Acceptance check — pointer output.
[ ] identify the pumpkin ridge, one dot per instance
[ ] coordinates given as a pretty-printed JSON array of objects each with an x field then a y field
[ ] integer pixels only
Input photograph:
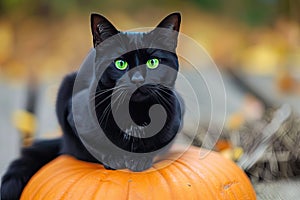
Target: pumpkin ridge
[
  {"x": 112, "y": 177},
  {"x": 211, "y": 179},
  {"x": 136, "y": 180},
  {"x": 113, "y": 172},
  {"x": 230, "y": 182},
  {"x": 215, "y": 172},
  {"x": 230, "y": 170},
  {"x": 181, "y": 161},
  {"x": 69, "y": 164},
  {"x": 45, "y": 167},
  {"x": 226, "y": 187},
  {"x": 158, "y": 172},
  {"x": 71, "y": 185},
  {"x": 62, "y": 178},
  {"x": 166, "y": 173},
  {"x": 170, "y": 171},
  {"x": 240, "y": 187},
  {"x": 163, "y": 185},
  {"x": 45, "y": 179},
  {"x": 225, "y": 174},
  {"x": 86, "y": 175},
  {"x": 162, "y": 172},
  {"x": 128, "y": 187},
  {"x": 190, "y": 157},
  {"x": 40, "y": 185},
  {"x": 191, "y": 180}
]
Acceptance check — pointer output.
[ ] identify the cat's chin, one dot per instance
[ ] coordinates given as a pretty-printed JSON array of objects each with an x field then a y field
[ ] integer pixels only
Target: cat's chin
[{"x": 139, "y": 97}]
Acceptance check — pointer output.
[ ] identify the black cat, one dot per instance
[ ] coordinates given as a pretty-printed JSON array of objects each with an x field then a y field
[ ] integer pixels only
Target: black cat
[{"x": 144, "y": 75}]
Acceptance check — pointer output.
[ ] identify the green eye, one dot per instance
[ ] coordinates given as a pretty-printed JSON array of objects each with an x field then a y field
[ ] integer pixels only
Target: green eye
[
  {"x": 121, "y": 64},
  {"x": 152, "y": 63}
]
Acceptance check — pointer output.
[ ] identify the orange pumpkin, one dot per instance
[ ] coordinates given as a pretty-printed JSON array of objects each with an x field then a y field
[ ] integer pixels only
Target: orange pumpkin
[{"x": 189, "y": 177}]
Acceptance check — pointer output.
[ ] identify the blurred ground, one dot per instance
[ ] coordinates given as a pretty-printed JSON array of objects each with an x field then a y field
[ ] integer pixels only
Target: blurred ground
[{"x": 284, "y": 189}]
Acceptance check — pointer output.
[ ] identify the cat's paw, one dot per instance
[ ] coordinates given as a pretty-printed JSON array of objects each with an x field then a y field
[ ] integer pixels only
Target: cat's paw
[
  {"x": 108, "y": 167},
  {"x": 138, "y": 164},
  {"x": 114, "y": 162}
]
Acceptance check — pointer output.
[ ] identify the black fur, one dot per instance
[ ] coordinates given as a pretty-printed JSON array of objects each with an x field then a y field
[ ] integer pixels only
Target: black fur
[
  {"x": 41, "y": 152},
  {"x": 22, "y": 169},
  {"x": 71, "y": 144}
]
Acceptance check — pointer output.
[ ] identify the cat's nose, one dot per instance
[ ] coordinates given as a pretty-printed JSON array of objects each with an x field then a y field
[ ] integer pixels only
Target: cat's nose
[{"x": 137, "y": 78}]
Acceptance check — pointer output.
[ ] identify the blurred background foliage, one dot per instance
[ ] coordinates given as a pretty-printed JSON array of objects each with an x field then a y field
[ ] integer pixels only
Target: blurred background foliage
[{"x": 52, "y": 37}]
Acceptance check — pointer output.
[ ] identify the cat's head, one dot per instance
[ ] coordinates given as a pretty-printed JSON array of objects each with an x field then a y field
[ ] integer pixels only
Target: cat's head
[
  {"x": 136, "y": 60},
  {"x": 131, "y": 91}
]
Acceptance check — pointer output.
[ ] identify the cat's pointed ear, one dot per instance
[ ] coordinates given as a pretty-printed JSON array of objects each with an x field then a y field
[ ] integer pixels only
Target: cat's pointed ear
[
  {"x": 101, "y": 29},
  {"x": 172, "y": 21}
]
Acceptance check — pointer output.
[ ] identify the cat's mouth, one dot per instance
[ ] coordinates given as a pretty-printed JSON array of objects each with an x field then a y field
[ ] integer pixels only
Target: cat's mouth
[{"x": 140, "y": 94}]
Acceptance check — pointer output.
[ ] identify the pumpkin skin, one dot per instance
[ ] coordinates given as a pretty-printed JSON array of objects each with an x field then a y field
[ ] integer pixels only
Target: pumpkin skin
[{"x": 189, "y": 177}]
